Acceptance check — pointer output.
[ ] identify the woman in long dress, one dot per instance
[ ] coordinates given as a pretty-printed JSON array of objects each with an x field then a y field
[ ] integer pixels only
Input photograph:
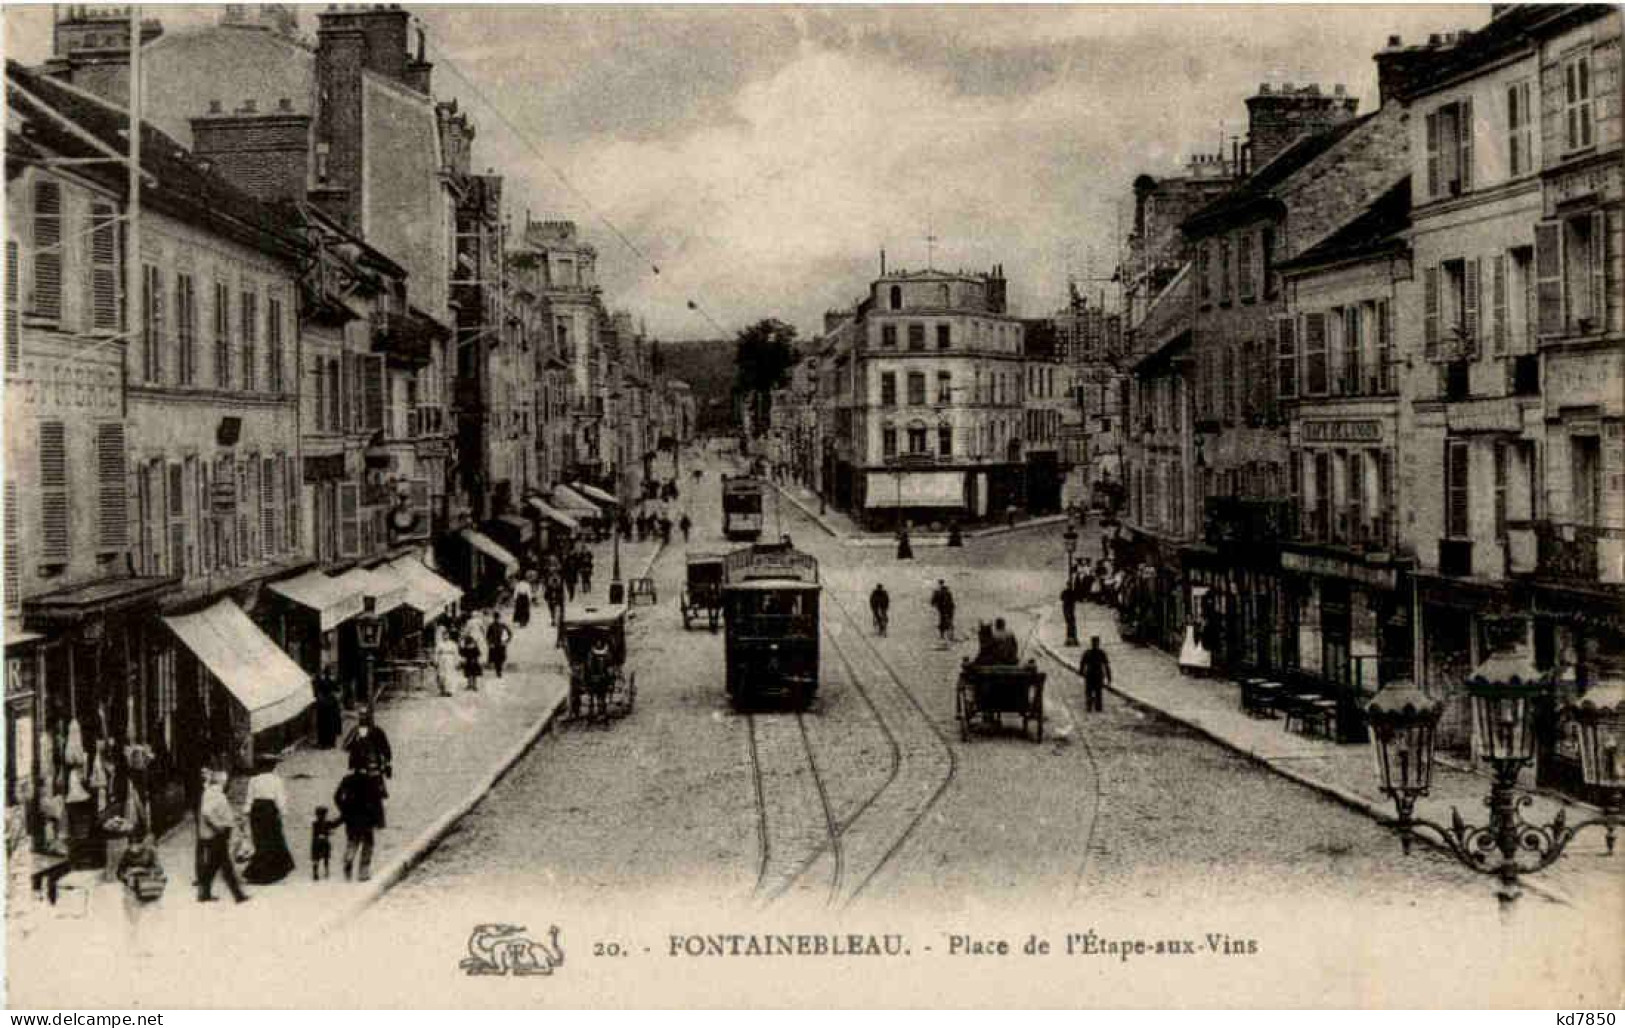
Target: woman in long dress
[
  {"x": 447, "y": 662},
  {"x": 267, "y": 803}
]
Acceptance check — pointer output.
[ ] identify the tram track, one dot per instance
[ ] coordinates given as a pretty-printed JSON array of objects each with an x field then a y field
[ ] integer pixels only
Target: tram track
[{"x": 796, "y": 826}]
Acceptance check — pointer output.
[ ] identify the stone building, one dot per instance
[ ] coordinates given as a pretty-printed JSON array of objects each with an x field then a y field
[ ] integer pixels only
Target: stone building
[
  {"x": 926, "y": 384},
  {"x": 1050, "y": 399}
]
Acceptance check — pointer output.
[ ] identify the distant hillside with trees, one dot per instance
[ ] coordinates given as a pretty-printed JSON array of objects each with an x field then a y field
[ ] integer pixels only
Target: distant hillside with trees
[{"x": 707, "y": 365}]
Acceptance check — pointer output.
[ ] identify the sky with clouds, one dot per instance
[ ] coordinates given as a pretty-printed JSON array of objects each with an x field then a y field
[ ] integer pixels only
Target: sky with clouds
[{"x": 762, "y": 156}]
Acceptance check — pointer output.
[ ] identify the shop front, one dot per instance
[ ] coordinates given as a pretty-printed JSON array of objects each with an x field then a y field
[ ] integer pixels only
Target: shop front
[
  {"x": 484, "y": 564},
  {"x": 555, "y": 530},
  {"x": 311, "y": 607},
  {"x": 1463, "y": 624},
  {"x": 1578, "y": 638}
]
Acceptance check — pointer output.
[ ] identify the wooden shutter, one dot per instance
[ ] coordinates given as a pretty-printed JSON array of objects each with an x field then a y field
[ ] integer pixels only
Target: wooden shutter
[
  {"x": 175, "y": 494},
  {"x": 1549, "y": 277},
  {"x": 1471, "y": 295},
  {"x": 152, "y": 323},
  {"x": 1314, "y": 354},
  {"x": 290, "y": 501},
  {"x": 1286, "y": 356},
  {"x": 14, "y": 551},
  {"x": 47, "y": 293},
  {"x": 1464, "y": 126},
  {"x": 14, "y": 324},
  {"x": 53, "y": 480},
  {"x": 112, "y": 498},
  {"x": 349, "y": 519},
  {"x": 1433, "y": 153},
  {"x": 1498, "y": 300},
  {"x": 1599, "y": 270},
  {"x": 1385, "y": 347},
  {"x": 1456, "y": 500},
  {"x": 418, "y": 500},
  {"x": 104, "y": 276},
  {"x": 372, "y": 384},
  {"x": 1430, "y": 312},
  {"x": 268, "y": 482},
  {"x": 1612, "y": 315}
]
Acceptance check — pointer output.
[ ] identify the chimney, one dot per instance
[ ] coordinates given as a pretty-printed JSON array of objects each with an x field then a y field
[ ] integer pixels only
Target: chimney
[
  {"x": 264, "y": 155},
  {"x": 90, "y": 49},
  {"x": 1400, "y": 68},
  {"x": 341, "y": 53},
  {"x": 1280, "y": 117},
  {"x": 996, "y": 290},
  {"x": 384, "y": 29}
]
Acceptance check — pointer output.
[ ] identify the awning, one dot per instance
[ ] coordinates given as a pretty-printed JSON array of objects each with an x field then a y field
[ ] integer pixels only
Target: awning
[
  {"x": 569, "y": 499},
  {"x": 554, "y": 514},
  {"x": 333, "y": 601},
  {"x": 266, "y": 681},
  {"x": 485, "y": 545},
  {"x": 426, "y": 592},
  {"x": 592, "y": 492},
  {"x": 17, "y": 635},
  {"x": 526, "y": 531},
  {"x": 386, "y": 589}
]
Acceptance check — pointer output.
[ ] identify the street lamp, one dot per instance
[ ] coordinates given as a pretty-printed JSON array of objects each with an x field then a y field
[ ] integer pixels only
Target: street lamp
[
  {"x": 369, "y": 630},
  {"x": 1403, "y": 722},
  {"x": 1070, "y": 539}
]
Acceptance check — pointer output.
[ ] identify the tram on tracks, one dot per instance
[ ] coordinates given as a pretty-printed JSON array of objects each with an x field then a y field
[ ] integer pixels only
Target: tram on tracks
[
  {"x": 742, "y": 506},
  {"x": 770, "y": 602}
]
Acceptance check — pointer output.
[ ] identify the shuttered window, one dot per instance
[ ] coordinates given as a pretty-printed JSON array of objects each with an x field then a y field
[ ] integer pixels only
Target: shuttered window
[
  {"x": 1314, "y": 354},
  {"x": 1599, "y": 270},
  {"x": 1498, "y": 304},
  {"x": 222, "y": 335},
  {"x": 14, "y": 324},
  {"x": 1433, "y": 153},
  {"x": 175, "y": 493},
  {"x": 152, "y": 323},
  {"x": 1286, "y": 359},
  {"x": 1549, "y": 277},
  {"x": 46, "y": 298},
  {"x": 104, "y": 268},
  {"x": 250, "y": 337},
  {"x": 53, "y": 480},
  {"x": 14, "y": 551},
  {"x": 245, "y": 511},
  {"x": 290, "y": 503},
  {"x": 373, "y": 392},
  {"x": 349, "y": 519},
  {"x": 273, "y": 345},
  {"x": 1471, "y": 291},
  {"x": 112, "y": 500},
  {"x": 1244, "y": 265},
  {"x": 185, "y": 330},
  {"x": 268, "y": 484},
  {"x": 1430, "y": 312},
  {"x": 1384, "y": 370},
  {"x": 1456, "y": 496}
]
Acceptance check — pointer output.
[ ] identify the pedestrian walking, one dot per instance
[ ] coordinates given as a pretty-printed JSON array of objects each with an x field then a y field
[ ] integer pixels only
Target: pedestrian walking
[
  {"x": 521, "y": 603},
  {"x": 267, "y": 803},
  {"x": 359, "y": 800},
  {"x": 470, "y": 650},
  {"x": 1096, "y": 670},
  {"x": 553, "y": 596},
  {"x": 1069, "y": 612},
  {"x": 905, "y": 550},
  {"x": 329, "y": 709},
  {"x": 497, "y": 636},
  {"x": 665, "y": 530},
  {"x": 216, "y": 819},
  {"x": 572, "y": 569},
  {"x": 446, "y": 660},
  {"x": 586, "y": 571},
  {"x": 943, "y": 600},
  {"x": 880, "y": 607},
  {"x": 685, "y": 524}
]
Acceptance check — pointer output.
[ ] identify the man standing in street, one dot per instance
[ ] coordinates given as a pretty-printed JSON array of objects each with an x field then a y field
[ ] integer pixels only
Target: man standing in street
[
  {"x": 1069, "y": 611},
  {"x": 943, "y": 601},
  {"x": 1097, "y": 674},
  {"x": 497, "y": 635},
  {"x": 360, "y": 803},
  {"x": 880, "y": 607},
  {"x": 216, "y": 819}
]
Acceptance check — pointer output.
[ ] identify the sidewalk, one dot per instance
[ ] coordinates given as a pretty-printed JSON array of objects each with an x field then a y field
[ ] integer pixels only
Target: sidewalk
[
  {"x": 843, "y": 528},
  {"x": 448, "y": 753},
  {"x": 1149, "y": 678}
]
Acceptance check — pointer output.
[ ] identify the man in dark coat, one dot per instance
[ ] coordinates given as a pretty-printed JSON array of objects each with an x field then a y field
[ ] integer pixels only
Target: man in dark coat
[
  {"x": 943, "y": 600},
  {"x": 585, "y": 569},
  {"x": 368, "y": 745},
  {"x": 1096, "y": 670},
  {"x": 1069, "y": 612},
  {"x": 880, "y": 607},
  {"x": 360, "y": 803},
  {"x": 497, "y": 636}
]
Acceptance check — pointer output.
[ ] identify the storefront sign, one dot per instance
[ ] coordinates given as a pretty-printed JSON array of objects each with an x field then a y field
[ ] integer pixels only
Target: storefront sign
[
  {"x": 20, "y": 677},
  {"x": 224, "y": 496},
  {"x": 1337, "y": 567},
  {"x": 1342, "y": 431}
]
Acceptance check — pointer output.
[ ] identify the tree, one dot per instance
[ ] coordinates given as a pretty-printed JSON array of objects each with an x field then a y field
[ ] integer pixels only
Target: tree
[{"x": 764, "y": 353}]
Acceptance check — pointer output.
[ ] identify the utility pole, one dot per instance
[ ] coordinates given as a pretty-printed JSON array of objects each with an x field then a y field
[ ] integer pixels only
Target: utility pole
[{"x": 133, "y": 304}]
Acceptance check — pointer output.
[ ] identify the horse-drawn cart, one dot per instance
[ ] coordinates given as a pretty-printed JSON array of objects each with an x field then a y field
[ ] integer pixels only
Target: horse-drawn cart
[
  {"x": 702, "y": 593},
  {"x": 987, "y": 692},
  {"x": 595, "y": 645}
]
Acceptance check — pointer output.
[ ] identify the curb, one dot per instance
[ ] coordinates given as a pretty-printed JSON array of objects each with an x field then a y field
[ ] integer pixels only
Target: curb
[
  {"x": 431, "y": 837},
  {"x": 925, "y": 539},
  {"x": 1336, "y": 793}
]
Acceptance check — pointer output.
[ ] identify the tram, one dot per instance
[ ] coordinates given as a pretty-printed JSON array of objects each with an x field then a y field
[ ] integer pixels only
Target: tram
[
  {"x": 742, "y": 506},
  {"x": 770, "y": 603}
]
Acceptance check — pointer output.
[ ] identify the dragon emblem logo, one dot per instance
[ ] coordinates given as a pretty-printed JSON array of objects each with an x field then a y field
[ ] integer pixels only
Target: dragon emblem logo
[{"x": 504, "y": 949}]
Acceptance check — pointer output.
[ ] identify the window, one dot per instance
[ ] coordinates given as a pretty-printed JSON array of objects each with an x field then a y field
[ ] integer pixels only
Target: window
[
  {"x": 1349, "y": 372},
  {"x": 888, "y": 389},
  {"x": 1520, "y": 130},
  {"x": 53, "y": 491},
  {"x": 1266, "y": 261},
  {"x": 888, "y": 337},
  {"x": 896, "y": 298},
  {"x": 318, "y": 392},
  {"x": 1500, "y": 455},
  {"x": 152, "y": 322},
  {"x": 14, "y": 321},
  {"x": 1204, "y": 289},
  {"x": 335, "y": 398},
  {"x": 46, "y": 298},
  {"x": 1314, "y": 354},
  {"x": 1585, "y": 479},
  {"x": 916, "y": 437},
  {"x": 1456, "y": 494},
  {"x": 185, "y": 330},
  {"x": 916, "y": 336},
  {"x": 945, "y": 387},
  {"x": 104, "y": 268},
  {"x": 1244, "y": 266},
  {"x": 222, "y": 335},
  {"x": 945, "y": 440},
  {"x": 944, "y": 335},
  {"x": 14, "y": 546},
  {"x": 1520, "y": 298},
  {"x": 1231, "y": 385},
  {"x": 1450, "y": 149},
  {"x": 888, "y": 441},
  {"x": 1224, "y": 269},
  {"x": 916, "y": 388},
  {"x": 1577, "y": 116},
  {"x": 273, "y": 343},
  {"x": 250, "y": 338},
  {"x": 1572, "y": 272},
  {"x": 1381, "y": 375},
  {"x": 1450, "y": 308}
]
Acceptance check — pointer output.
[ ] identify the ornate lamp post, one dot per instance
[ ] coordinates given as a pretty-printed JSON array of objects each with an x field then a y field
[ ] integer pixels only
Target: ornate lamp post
[
  {"x": 1403, "y": 721},
  {"x": 369, "y": 631},
  {"x": 1069, "y": 539}
]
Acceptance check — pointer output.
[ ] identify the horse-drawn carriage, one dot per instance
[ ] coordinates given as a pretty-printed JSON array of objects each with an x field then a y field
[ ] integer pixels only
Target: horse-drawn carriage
[
  {"x": 986, "y": 692},
  {"x": 702, "y": 594},
  {"x": 595, "y": 645},
  {"x": 770, "y": 599}
]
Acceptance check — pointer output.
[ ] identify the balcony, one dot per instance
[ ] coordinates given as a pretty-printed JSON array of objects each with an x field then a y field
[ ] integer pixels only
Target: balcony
[
  {"x": 1576, "y": 553},
  {"x": 1232, "y": 521}
]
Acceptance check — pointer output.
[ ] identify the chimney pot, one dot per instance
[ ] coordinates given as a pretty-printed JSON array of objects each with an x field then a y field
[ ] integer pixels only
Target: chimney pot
[
  {"x": 1434, "y": 39},
  {"x": 1340, "y": 89},
  {"x": 249, "y": 107},
  {"x": 284, "y": 104},
  {"x": 214, "y": 106},
  {"x": 1396, "y": 41}
]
